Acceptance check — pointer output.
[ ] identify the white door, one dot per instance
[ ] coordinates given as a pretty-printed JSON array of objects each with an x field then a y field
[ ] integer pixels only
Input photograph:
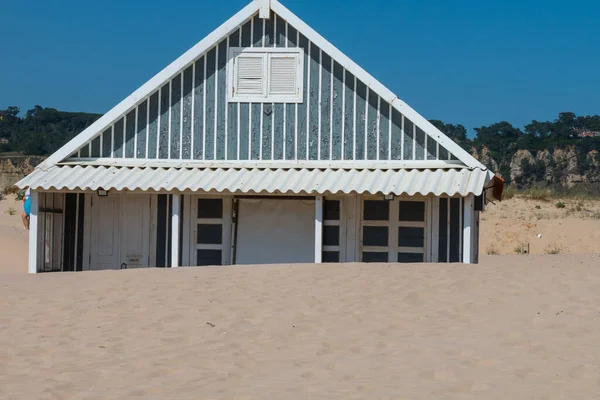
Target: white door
[
  {"x": 275, "y": 231},
  {"x": 135, "y": 228},
  {"x": 104, "y": 237}
]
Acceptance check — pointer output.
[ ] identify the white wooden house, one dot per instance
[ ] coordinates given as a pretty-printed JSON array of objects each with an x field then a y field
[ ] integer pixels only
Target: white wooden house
[{"x": 263, "y": 143}]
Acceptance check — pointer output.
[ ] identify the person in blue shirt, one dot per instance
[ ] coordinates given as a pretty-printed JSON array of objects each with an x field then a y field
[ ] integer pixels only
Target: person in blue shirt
[{"x": 26, "y": 208}]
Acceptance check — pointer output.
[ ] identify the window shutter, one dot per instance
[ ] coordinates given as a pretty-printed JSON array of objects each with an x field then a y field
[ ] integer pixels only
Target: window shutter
[
  {"x": 283, "y": 74},
  {"x": 249, "y": 77}
]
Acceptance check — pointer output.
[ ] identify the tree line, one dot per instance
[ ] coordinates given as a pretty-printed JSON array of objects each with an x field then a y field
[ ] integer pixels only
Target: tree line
[{"x": 41, "y": 131}]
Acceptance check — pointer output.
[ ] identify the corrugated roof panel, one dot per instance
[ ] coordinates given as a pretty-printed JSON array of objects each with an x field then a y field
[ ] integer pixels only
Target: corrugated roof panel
[{"x": 256, "y": 180}]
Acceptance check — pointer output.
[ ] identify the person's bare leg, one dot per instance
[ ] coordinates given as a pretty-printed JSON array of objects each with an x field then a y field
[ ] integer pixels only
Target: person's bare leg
[{"x": 25, "y": 219}]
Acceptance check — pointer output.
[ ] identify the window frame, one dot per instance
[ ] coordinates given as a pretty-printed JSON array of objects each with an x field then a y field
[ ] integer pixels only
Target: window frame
[
  {"x": 266, "y": 52},
  {"x": 393, "y": 224}
]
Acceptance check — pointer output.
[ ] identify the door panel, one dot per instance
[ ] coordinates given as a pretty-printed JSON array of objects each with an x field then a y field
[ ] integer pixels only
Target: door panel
[
  {"x": 135, "y": 225},
  {"x": 104, "y": 238}
]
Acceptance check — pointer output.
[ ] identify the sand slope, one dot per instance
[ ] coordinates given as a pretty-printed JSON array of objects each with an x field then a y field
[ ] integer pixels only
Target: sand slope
[{"x": 512, "y": 327}]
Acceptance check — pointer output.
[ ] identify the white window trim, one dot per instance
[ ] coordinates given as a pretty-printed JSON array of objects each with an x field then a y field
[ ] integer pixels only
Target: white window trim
[
  {"x": 393, "y": 224},
  {"x": 266, "y": 98}
]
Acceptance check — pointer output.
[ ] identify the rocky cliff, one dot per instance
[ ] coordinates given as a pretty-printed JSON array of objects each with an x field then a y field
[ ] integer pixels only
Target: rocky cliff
[
  {"x": 561, "y": 166},
  {"x": 13, "y": 168}
]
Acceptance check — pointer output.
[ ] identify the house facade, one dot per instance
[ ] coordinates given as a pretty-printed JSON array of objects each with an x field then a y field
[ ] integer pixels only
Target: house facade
[{"x": 261, "y": 144}]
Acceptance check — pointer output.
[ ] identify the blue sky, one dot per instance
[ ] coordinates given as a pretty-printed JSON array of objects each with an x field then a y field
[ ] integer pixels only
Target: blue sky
[{"x": 469, "y": 62}]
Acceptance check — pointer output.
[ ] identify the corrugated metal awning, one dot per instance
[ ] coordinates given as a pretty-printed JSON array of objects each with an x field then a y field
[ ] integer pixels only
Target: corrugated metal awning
[{"x": 459, "y": 181}]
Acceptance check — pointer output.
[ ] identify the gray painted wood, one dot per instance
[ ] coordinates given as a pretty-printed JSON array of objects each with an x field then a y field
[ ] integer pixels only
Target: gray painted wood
[
  {"x": 244, "y": 131},
  {"x": 221, "y": 100},
  {"x": 313, "y": 118},
  {"x": 384, "y": 131},
  {"x": 175, "y": 116},
  {"x": 289, "y": 131},
  {"x": 209, "y": 118},
  {"x": 118, "y": 133},
  {"x": 372, "y": 131},
  {"x": 325, "y": 107},
  {"x": 420, "y": 144},
  {"x": 267, "y": 131},
  {"x": 255, "y": 139},
  {"x": 349, "y": 119},
  {"x": 186, "y": 145},
  {"x": 257, "y": 33},
  {"x": 106, "y": 143},
  {"x": 337, "y": 128},
  {"x": 301, "y": 145},
  {"x": 141, "y": 133},
  {"x": 361, "y": 120},
  {"x": 130, "y": 135},
  {"x": 233, "y": 109},
  {"x": 198, "y": 151},
  {"x": 153, "y": 126},
  {"x": 396, "y": 135},
  {"x": 278, "y": 127},
  {"x": 246, "y": 34},
  {"x": 163, "y": 138},
  {"x": 408, "y": 139},
  {"x": 96, "y": 147}
]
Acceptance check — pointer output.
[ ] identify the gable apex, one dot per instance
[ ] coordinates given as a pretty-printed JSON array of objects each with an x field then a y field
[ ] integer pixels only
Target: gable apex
[{"x": 261, "y": 8}]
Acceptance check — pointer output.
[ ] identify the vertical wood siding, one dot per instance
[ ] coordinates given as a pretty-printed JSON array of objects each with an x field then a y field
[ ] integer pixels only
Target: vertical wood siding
[{"x": 189, "y": 117}]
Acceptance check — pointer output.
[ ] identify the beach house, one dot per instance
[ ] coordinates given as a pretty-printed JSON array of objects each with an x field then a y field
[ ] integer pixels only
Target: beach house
[{"x": 263, "y": 143}]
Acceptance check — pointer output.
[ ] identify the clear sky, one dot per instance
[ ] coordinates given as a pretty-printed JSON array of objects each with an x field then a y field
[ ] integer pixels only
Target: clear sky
[{"x": 472, "y": 62}]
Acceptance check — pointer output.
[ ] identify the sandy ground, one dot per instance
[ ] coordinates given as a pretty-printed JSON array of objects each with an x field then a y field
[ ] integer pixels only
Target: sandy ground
[
  {"x": 510, "y": 225},
  {"x": 512, "y": 327}
]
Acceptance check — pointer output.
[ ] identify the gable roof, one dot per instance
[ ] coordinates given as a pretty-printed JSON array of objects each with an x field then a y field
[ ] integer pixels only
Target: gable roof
[{"x": 215, "y": 37}]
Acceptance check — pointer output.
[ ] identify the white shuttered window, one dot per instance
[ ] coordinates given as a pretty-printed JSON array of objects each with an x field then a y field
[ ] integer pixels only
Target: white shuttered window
[{"x": 265, "y": 75}]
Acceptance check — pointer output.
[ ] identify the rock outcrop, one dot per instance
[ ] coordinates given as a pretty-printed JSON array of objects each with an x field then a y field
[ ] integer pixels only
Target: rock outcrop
[{"x": 14, "y": 168}]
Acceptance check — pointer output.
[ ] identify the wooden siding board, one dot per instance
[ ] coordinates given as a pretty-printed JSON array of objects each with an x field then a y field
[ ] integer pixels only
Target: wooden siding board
[
  {"x": 349, "y": 118},
  {"x": 420, "y": 144},
  {"x": 313, "y": 127},
  {"x": 255, "y": 139},
  {"x": 325, "y": 106},
  {"x": 118, "y": 135},
  {"x": 372, "y": 131},
  {"x": 221, "y": 100},
  {"x": 246, "y": 38},
  {"x": 186, "y": 137},
  {"x": 130, "y": 135},
  {"x": 267, "y": 131},
  {"x": 244, "y": 131},
  {"x": 337, "y": 128},
  {"x": 396, "y": 145},
  {"x": 290, "y": 131},
  {"x": 209, "y": 118},
  {"x": 278, "y": 125},
  {"x": 142, "y": 127},
  {"x": 301, "y": 153},
  {"x": 107, "y": 143},
  {"x": 233, "y": 109},
  {"x": 198, "y": 151},
  {"x": 153, "y": 126},
  {"x": 408, "y": 139},
  {"x": 257, "y": 33},
  {"x": 361, "y": 98},
  {"x": 96, "y": 147},
  {"x": 163, "y": 139},
  {"x": 269, "y": 31},
  {"x": 280, "y": 38},
  {"x": 384, "y": 131},
  {"x": 175, "y": 116}
]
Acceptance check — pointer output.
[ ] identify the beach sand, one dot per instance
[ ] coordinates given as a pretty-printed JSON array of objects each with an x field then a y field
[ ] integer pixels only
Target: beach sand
[{"x": 511, "y": 327}]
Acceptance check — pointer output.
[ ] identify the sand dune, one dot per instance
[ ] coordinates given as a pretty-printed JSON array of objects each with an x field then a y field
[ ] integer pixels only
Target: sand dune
[{"x": 512, "y": 327}]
